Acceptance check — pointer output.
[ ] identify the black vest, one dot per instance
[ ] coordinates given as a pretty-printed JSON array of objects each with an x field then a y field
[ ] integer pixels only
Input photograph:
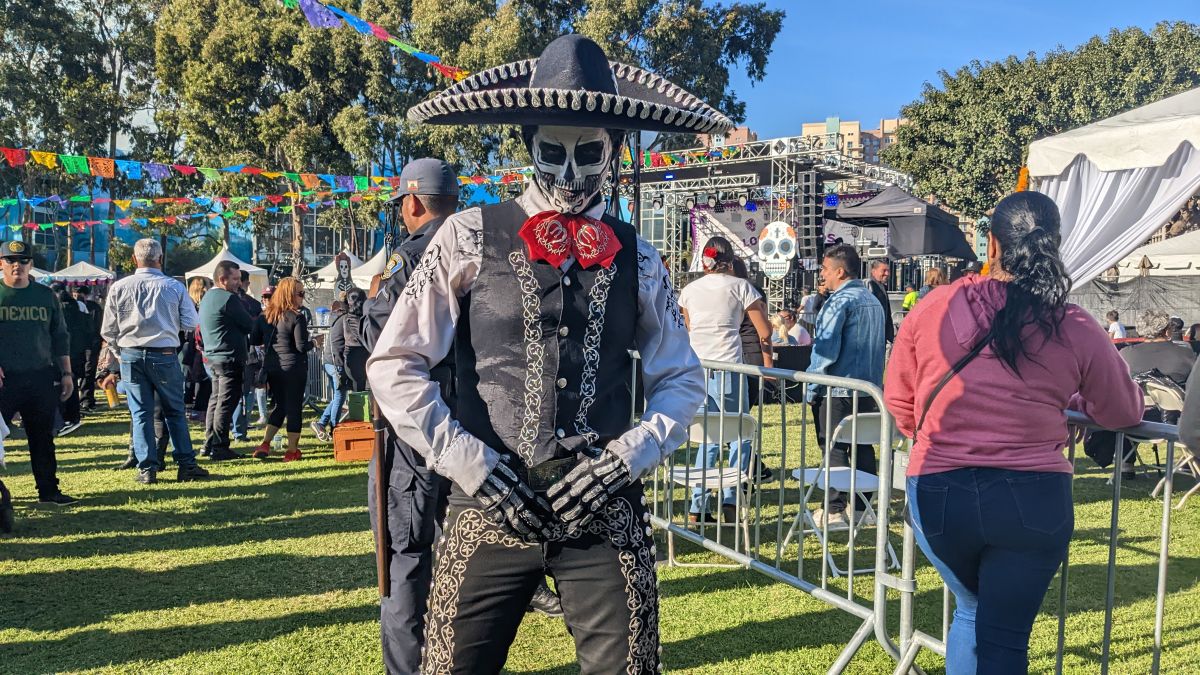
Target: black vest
[{"x": 543, "y": 365}]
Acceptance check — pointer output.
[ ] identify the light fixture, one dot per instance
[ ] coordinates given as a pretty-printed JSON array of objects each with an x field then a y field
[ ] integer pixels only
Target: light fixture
[{"x": 712, "y": 201}]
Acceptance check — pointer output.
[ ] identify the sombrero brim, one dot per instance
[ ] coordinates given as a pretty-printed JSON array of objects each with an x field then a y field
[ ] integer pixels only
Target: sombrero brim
[{"x": 502, "y": 95}]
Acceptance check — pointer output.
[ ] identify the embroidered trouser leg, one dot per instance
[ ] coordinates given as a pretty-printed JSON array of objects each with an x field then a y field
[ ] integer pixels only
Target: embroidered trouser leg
[{"x": 484, "y": 580}]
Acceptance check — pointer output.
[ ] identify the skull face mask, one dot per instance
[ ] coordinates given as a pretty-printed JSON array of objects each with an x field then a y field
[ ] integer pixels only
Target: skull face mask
[{"x": 571, "y": 164}]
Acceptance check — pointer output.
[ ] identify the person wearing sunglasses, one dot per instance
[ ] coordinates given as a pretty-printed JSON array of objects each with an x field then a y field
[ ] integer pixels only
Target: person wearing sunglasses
[
  {"x": 283, "y": 331},
  {"x": 33, "y": 362}
]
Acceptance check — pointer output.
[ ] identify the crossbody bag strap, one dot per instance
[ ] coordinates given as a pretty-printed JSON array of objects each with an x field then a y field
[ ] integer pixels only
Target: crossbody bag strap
[{"x": 956, "y": 369}]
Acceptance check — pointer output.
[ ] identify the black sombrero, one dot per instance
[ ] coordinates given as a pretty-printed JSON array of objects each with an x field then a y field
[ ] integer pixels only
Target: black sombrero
[{"x": 571, "y": 84}]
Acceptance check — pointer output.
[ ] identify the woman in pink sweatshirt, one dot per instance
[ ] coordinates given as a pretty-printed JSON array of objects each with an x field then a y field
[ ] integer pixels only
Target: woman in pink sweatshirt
[{"x": 988, "y": 486}]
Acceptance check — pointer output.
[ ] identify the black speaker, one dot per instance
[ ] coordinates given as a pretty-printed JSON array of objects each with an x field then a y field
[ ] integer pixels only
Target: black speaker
[{"x": 810, "y": 218}]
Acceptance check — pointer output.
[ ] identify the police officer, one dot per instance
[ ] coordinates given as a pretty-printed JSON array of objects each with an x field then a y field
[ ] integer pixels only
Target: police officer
[
  {"x": 415, "y": 495},
  {"x": 33, "y": 361}
]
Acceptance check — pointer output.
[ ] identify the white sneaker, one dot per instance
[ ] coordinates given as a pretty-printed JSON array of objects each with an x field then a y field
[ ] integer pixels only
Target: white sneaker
[
  {"x": 837, "y": 521},
  {"x": 68, "y": 428}
]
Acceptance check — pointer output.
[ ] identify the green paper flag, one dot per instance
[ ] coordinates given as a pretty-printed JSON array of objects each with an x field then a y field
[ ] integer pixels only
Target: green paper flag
[
  {"x": 235, "y": 200},
  {"x": 361, "y": 183},
  {"x": 227, "y": 214},
  {"x": 286, "y": 209},
  {"x": 8, "y": 202},
  {"x": 291, "y": 4},
  {"x": 80, "y": 198},
  {"x": 305, "y": 193},
  {"x": 75, "y": 164},
  {"x": 294, "y": 177},
  {"x": 210, "y": 174},
  {"x": 343, "y": 203}
]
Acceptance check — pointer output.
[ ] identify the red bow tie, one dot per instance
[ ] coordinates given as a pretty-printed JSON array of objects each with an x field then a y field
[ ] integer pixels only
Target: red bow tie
[{"x": 555, "y": 237}]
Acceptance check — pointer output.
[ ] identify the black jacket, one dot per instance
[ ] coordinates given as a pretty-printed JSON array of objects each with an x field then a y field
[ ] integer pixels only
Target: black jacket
[{"x": 880, "y": 293}]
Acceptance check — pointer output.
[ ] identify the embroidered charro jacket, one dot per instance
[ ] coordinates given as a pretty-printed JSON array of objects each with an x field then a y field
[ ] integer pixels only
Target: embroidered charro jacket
[{"x": 542, "y": 351}]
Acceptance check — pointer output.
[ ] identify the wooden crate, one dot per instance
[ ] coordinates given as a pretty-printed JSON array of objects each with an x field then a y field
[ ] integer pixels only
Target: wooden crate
[{"x": 353, "y": 441}]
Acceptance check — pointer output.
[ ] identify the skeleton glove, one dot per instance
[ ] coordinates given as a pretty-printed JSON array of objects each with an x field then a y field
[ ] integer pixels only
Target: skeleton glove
[
  {"x": 584, "y": 492},
  {"x": 512, "y": 505}
]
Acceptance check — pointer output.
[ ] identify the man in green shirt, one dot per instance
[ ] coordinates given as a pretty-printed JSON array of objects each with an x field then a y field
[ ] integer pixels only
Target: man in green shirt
[
  {"x": 33, "y": 361},
  {"x": 224, "y": 325}
]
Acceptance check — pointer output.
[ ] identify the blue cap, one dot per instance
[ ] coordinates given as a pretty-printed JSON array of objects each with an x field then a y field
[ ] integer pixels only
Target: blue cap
[{"x": 427, "y": 176}]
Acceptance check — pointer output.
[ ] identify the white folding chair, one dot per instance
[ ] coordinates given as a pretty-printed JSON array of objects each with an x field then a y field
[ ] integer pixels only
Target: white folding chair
[
  {"x": 825, "y": 478},
  {"x": 721, "y": 429},
  {"x": 1186, "y": 463}
]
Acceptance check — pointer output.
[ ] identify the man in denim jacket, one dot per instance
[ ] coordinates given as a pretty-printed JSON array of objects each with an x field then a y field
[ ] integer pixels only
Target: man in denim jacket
[{"x": 848, "y": 341}]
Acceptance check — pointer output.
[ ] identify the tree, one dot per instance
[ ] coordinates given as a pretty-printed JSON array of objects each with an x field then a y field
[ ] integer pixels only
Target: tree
[{"x": 966, "y": 139}]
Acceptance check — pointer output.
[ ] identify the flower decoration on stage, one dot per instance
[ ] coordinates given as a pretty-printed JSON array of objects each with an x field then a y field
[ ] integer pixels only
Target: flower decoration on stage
[
  {"x": 709, "y": 259},
  {"x": 554, "y": 237}
]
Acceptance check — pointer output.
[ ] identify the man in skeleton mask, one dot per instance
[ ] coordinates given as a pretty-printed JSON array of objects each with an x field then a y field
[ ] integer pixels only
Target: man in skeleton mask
[{"x": 541, "y": 298}]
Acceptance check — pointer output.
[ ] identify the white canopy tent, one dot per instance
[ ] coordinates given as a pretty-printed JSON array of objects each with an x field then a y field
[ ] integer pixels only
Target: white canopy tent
[
  {"x": 1174, "y": 257},
  {"x": 363, "y": 273},
  {"x": 258, "y": 275},
  {"x": 82, "y": 272},
  {"x": 1118, "y": 180},
  {"x": 327, "y": 275}
]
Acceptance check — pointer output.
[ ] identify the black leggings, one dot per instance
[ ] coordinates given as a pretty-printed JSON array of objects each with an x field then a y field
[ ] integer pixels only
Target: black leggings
[{"x": 287, "y": 397}]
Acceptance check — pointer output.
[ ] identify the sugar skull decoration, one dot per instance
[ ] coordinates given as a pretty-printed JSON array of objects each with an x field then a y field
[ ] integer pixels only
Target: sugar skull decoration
[
  {"x": 776, "y": 249},
  {"x": 571, "y": 164},
  {"x": 344, "y": 281}
]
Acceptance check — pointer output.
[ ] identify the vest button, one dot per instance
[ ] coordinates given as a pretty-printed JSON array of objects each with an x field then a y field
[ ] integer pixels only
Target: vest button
[
  {"x": 562, "y": 331},
  {"x": 561, "y": 383},
  {"x": 560, "y": 433},
  {"x": 566, "y": 281}
]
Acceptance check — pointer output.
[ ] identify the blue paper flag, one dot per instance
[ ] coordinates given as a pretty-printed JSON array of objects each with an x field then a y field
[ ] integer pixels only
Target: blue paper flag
[{"x": 318, "y": 15}]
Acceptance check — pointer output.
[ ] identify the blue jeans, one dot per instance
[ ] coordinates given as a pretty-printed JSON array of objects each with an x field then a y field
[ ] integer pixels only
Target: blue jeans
[
  {"x": 260, "y": 399},
  {"x": 333, "y": 411},
  {"x": 726, "y": 393},
  {"x": 997, "y": 537},
  {"x": 148, "y": 373},
  {"x": 241, "y": 416}
]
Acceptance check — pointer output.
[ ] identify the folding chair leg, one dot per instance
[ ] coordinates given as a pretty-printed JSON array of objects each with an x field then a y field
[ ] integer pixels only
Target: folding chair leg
[{"x": 1188, "y": 494}]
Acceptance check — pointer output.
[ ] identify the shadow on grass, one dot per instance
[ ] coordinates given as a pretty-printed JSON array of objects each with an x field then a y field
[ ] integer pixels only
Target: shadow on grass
[
  {"x": 99, "y": 648},
  {"x": 51, "y": 601}
]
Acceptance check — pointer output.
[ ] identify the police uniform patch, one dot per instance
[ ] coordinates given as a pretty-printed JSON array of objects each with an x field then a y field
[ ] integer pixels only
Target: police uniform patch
[{"x": 395, "y": 263}]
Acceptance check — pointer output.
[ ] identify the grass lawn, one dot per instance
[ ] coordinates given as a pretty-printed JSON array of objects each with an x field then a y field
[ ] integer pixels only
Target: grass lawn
[{"x": 269, "y": 568}]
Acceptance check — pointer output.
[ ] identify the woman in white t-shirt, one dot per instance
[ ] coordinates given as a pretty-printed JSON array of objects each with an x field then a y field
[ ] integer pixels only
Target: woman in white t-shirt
[
  {"x": 713, "y": 307},
  {"x": 1116, "y": 329}
]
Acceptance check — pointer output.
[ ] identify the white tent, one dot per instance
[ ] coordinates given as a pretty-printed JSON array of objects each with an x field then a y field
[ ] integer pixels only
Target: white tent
[
  {"x": 327, "y": 275},
  {"x": 39, "y": 275},
  {"x": 1174, "y": 257},
  {"x": 363, "y": 273},
  {"x": 1118, "y": 180},
  {"x": 258, "y": 275},
  {"x": 82, "y": 272}
]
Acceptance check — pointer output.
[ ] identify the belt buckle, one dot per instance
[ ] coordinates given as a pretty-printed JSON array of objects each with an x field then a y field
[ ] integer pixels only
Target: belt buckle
[{"x": 542, "y": 476}]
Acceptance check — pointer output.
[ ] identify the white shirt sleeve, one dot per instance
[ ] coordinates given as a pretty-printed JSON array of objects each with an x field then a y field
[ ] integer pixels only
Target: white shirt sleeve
[
  {"x": 747, "y": 294},
  {"x": 674, "y": 380},
  {"x": 418, "y": 335}
]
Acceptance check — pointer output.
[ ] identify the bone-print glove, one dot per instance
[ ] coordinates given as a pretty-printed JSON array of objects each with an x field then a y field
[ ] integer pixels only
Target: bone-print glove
[
  {"x": 513, "y": 505},
  {"x": 582, "y": 494}
]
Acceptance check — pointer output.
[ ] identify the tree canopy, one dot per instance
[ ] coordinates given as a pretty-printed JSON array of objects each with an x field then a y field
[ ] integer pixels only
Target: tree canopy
[{"x": 966, "y": 140}]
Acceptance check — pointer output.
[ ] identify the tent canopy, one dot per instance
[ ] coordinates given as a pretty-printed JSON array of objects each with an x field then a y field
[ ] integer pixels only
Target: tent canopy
[
  {"x": 376, "y": 265},
  {"x": 1140, "y": 138},
  {"x": 1118, "y": 180},
  {"x": 258, "y": 275},
  {"x": 82, "y": 272},
  {"x": 1178, "y": 256},
  {"x": 915, "y": 227}
]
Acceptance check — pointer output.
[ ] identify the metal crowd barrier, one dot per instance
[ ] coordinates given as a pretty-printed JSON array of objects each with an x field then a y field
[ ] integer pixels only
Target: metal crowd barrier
[{"x": 774, "y": 533}]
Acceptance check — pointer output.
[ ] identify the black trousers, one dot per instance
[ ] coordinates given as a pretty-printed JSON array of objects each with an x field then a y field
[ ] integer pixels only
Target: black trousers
[
  {"x": 840, "y": 408},
  {"x": 70, "y": 407},
  {"x": 484, "y": 579},
  {"x": 33, "y": 394},
  {"x": 416, "y": 506},
  {"x": 87, "y": 387},
  {"x": 287, "y": 396},
  {"x": 356, "y": 367},
  {"x": 161, "y": 437},
  {"x": 226, "y": 393}
]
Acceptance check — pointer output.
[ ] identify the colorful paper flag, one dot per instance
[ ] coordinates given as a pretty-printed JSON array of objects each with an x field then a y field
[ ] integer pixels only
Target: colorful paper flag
[
  {"x": 318, "y": 15},
  {"x": 46, "y": 159},
  {"x": 74, "y": 164},
  {"x": 132, "y": 170},
  {"x": 100, "y": 166},
  {"x": 14, "y": 156}
]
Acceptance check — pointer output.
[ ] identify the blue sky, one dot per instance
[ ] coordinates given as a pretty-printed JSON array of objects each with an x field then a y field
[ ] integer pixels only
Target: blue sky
[{"x": 864, "y": 60}]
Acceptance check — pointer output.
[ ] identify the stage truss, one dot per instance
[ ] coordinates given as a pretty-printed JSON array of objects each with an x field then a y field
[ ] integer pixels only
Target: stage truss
[{"x": 784, "y": 177}]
